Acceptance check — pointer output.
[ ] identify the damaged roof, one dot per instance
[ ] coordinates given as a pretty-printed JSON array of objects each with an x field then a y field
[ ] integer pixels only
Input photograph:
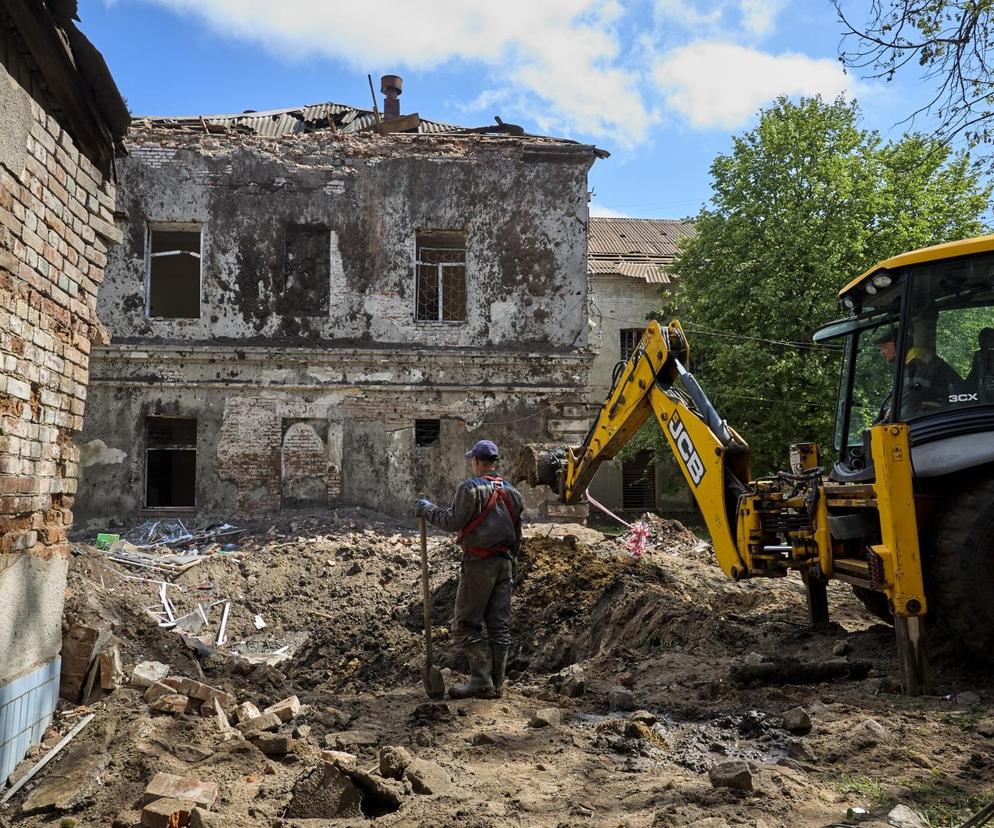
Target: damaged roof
[
  {"x": 275, "y": 123},
  {"x": 329, "y": 116},
  {"x": 637, "y": 248}
]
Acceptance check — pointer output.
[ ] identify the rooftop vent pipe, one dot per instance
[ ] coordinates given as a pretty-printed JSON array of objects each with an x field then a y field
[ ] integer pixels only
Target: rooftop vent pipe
[{"x": 391, "y": 86}]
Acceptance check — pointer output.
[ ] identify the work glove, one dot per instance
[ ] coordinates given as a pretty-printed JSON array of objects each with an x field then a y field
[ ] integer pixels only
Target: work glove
[{"x": 422, "y": 506}]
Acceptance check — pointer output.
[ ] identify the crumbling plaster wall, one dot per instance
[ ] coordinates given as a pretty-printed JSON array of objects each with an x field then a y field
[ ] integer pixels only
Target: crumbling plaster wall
[
  {"x": 523, "y": 210},
  {"x": 618, "y": 302},
  {"x": 361, "y": 405},
  {"x": 271, "y": 391}
]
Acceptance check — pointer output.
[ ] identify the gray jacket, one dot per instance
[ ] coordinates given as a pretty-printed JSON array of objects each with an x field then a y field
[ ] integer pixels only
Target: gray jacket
[{"x": 499, "y": 530}]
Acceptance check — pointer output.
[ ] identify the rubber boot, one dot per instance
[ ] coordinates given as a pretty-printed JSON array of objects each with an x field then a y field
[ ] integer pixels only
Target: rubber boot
[
  {"x": 498, "y": 654},
  {"x": 481, "y": 682}
]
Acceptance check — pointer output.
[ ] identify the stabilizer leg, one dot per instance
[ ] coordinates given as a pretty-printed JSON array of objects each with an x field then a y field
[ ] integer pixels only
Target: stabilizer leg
[
  {"x": 817, "y": 591},
  {"x": 912, "y": 655}
]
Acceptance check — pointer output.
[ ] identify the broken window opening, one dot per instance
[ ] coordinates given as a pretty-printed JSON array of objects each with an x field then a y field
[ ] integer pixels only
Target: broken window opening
[
  {"x": 638, "y": 487},
  {"x": 427, "y": 432},
  {"x": 173, "y": 277},
  {"x": 441, "y": 277},
  {"x": 170, "y": 462},
  {"x": 306, "y": 270},
  {"x": 629, "y": 341}
]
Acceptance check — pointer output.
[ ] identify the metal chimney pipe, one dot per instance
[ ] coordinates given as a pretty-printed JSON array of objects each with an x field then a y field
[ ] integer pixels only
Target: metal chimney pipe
[{"x": 391, "y": 86}]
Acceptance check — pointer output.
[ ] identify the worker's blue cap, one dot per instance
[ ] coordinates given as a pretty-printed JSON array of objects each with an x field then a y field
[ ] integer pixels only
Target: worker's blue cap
[{"x": 484, "y": 450}]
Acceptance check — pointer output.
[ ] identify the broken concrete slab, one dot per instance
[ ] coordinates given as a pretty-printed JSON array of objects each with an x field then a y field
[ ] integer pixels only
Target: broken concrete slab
[
  {"x": 148, "y": 673},
  {"x": 272, "y": 744},
  {"x": 169, "y": 786},
  {"x": 70, "y": 781},
  {"x": 427, "y": 777},
  {"x": 267, "y": 721},
  {"x": 325, "y": 793}
]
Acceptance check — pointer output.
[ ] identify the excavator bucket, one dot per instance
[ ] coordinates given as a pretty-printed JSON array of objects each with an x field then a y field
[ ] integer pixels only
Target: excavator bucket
[{"x": 541, "y": 464}]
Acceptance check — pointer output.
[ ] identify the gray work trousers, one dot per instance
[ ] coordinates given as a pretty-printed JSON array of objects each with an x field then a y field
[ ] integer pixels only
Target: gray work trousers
[{"x": 483, "y": 598}]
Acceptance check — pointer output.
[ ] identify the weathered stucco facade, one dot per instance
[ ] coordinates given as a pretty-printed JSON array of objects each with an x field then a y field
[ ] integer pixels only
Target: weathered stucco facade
[
  {"x": 61, "y": 116},
  {"x": 627, "y": 261},
  {"x": 306, "y": 377}
]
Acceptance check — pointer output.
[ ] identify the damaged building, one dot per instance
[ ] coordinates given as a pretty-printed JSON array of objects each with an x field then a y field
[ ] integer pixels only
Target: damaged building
[
  {"x": 62, "y": 121},
  {"x": 628, "y": 261},
  {"x": 323, "y": 307}
]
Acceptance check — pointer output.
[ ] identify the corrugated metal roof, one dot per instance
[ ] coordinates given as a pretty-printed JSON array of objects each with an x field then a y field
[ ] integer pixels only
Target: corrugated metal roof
[
  {"x": 274, "y": 123},
  {"x": 649, "y": 271},
  {"x": 637, "y": 248},
  {"x": 640, "y": 237}
]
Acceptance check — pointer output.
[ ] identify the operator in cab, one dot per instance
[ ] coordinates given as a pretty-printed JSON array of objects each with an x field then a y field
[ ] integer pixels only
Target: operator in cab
[
  {"x": 486, "y": 515},
  {"x": 927, "y": 377}
]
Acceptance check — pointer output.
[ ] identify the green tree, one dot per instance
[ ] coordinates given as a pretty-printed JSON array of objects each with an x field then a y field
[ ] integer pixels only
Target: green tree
[{"x": 802, "y": 204}]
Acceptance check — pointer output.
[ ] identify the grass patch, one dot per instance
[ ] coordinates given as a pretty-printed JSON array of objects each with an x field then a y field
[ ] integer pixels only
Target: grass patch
[
  {"x": 869, "y": 792},
  {"x": 945, "y": 804}
]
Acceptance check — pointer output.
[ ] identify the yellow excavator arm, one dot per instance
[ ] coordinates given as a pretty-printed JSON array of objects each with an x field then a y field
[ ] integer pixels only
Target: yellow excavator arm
[
  {"x": 713, "y": 457},
  {"x": 797, "y": 520}
]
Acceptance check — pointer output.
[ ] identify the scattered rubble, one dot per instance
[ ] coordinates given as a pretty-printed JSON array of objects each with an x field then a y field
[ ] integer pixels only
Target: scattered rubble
[{"x": 341, "y": 728}]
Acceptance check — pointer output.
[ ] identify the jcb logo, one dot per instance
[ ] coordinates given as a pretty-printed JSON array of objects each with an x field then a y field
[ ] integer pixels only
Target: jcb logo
[
  {"x": 957, "y": 398},
  {"x": 695, "y": 468}
]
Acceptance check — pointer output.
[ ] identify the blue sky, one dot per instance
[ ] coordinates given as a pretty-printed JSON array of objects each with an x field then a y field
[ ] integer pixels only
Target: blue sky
[{"x": 661, "y": 84}]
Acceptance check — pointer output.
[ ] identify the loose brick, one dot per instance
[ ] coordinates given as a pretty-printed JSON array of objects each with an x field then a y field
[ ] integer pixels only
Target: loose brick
[
  {"x": 167, "y": 813},
  {"x": 267, "y": 721},
  {"x": 286, "y": 709}
]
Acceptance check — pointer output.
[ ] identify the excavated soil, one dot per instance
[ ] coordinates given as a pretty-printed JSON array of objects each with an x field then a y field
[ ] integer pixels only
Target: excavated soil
[{"x": 342, "y": 592}]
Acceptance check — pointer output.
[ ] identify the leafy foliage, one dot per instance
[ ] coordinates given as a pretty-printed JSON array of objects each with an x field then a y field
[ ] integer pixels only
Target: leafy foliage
[
  {"x": 951, "y": 41},
  {"x": 803, "y": 203}
]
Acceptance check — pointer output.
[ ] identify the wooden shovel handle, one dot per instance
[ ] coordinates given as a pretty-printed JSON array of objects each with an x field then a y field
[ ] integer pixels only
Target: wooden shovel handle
[{"x": 425, "y": 594}]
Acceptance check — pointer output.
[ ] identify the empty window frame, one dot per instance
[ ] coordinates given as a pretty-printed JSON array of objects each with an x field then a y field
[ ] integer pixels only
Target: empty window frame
[
  {"x": 629, "y": 341},
  {"x": 170, "y": 462},
  {"x": 173, "y": 277},
  {"x": 427, "y": 432},
  {"x": 306, "y": 270},
  {"x": 638, "y": 488},
  {"x": 441, "y": 277}
]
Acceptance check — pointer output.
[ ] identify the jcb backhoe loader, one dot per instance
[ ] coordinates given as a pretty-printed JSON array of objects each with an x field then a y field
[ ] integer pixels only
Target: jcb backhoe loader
[{"x": 906, "y": 513}]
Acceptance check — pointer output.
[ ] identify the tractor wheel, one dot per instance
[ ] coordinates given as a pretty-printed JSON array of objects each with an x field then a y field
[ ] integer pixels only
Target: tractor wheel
[
  {"x": 960, "y": 567},
  {"x": 875, "y": 603}
]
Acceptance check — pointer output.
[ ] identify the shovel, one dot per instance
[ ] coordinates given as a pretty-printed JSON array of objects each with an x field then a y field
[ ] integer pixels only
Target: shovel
[{"x": 431, "y": 677}]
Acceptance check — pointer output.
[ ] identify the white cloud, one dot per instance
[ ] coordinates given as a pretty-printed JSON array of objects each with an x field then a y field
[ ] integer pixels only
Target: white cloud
[
  {"x": 718, "y": 84},
  {"x": 600, "y": 211},
  {"x": 759, "y": 16},
  {"x": 565, "y": 55},
  {"x": 748, "y": 18}
]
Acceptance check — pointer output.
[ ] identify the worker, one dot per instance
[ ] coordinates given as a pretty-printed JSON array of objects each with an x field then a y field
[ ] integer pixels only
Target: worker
[
  {"x": 486, "y": 514},
  {"x": 927, "y": 376}
]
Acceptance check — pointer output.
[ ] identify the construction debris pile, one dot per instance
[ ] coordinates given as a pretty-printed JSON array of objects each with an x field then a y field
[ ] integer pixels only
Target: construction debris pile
[{"x": 286, "y": 691}]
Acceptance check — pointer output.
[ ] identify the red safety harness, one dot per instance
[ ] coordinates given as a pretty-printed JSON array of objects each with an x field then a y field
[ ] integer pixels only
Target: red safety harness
[{"x": 498, "y": 493}]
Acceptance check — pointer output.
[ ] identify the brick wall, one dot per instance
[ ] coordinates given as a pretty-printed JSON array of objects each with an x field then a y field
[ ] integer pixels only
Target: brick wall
[{"x": 55, "y": 223}]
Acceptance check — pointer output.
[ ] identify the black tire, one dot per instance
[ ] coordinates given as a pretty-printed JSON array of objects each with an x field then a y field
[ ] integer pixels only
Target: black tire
[
  {"x": 876, "y": 603},
  {"x": 960, "y": 567}
]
